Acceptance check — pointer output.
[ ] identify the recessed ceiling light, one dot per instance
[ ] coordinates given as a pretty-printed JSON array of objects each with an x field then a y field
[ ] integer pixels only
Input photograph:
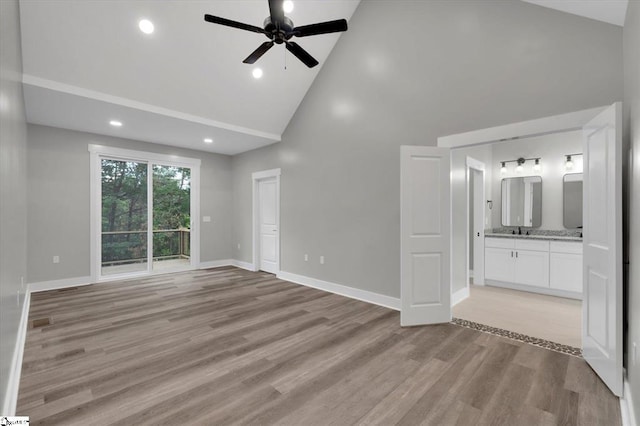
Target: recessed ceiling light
[
  {"x": 115, "y": 123},
  {"x": 287, "y": 6},
  {"x": 257, "y": 73},
  {"x": 208, "y": 140},
  {"x": 146, "y": 26}
]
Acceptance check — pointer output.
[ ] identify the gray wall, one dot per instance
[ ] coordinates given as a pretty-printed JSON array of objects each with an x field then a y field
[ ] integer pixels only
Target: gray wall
[
  {"x": 458, "y": 66},
  {"x": 552, "y": 149},
  {"x": 13, "y": 178},
  {"x": 632, "y": 137},
  {"x": 59, "y": 206}
]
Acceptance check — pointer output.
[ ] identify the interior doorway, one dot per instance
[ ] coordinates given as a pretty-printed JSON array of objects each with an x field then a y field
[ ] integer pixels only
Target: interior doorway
[{"x": 266, "y": 221}]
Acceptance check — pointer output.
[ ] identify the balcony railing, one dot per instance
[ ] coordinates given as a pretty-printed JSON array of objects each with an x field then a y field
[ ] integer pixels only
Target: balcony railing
[{"x": 126, "y": 247}]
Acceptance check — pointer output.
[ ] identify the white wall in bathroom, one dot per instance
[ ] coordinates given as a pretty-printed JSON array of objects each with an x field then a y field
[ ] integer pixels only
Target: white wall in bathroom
[{"x": 552, "y": 150}]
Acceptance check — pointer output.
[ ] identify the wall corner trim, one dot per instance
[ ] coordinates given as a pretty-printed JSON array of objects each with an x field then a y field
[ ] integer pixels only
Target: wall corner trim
[
  {"x": 244, "y": 265},
  {"x": 626, "y": 407},
  {"x": 11, "y": 395},
  {"x": 215, "y": 263},
  {"x": 459, "y": 296},
  {"x": 342, "y": 290}
]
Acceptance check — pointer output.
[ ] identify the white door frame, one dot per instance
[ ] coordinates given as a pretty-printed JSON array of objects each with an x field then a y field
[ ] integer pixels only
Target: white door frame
[
  {"x": 478, "y": 273},
  {"x": 256, "y": 177},
  {"x": 547, "y": 125},
  {"x": 97, "y": 152}
]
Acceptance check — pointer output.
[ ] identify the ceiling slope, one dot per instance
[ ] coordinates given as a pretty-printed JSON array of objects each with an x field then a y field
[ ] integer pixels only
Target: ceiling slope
[{"x": 86, "y": 62}]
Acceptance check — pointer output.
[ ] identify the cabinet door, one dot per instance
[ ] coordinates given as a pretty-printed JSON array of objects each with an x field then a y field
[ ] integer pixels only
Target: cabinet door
[
  {"x": 565, "y": 271},
  {"x": 532, "y": 268},
  {"x": 498, "y": 264}
]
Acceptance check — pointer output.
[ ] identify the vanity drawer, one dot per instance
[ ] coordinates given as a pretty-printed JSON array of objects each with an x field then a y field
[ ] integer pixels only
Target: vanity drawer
[
  {"x": 534, "y": 245},
  {"x": 566, "y": 247},
  {"x": 499, "y": 242}
]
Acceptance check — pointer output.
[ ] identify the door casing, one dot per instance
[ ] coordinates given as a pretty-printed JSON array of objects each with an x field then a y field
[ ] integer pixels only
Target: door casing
[{"x": 97, "y": 152}]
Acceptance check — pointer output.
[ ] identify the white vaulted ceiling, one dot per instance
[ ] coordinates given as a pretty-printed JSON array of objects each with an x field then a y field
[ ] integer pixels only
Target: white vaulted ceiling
[{"x": 86, "y": 62}]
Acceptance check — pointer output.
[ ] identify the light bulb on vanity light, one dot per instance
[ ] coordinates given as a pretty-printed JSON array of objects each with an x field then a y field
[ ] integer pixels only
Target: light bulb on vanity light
[
  {"x": 519, "y": 167},
  {"x": 568, "y": 164},
  {"x": 536, "y": 166},
  {"x": 503, "y": 169}
]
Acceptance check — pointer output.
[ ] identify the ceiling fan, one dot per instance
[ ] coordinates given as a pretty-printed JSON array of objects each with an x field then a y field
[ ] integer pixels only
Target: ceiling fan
[{"x": 279, "y": 29}]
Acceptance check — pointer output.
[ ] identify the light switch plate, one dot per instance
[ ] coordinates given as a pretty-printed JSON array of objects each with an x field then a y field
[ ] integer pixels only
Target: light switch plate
[{"x": 206, "y": 218}]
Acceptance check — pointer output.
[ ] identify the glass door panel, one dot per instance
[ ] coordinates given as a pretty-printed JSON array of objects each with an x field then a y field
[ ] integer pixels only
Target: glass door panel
[
  {"x": 171, "y": 217},
  {"x": 124, "y": 217}
]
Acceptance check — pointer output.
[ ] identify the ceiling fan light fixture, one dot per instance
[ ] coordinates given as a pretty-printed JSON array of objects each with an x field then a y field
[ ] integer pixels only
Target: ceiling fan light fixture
[
  {"x": 146, "y": 26},
  {"x": 257, "y": 73},
  {"x": 287, "y": 6}
]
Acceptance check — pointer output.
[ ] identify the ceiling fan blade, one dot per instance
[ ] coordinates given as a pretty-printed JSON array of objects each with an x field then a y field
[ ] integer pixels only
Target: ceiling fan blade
[
  {"x": 320, "y": 28},
  {"x": 251, "y": 59},
  {"x": 277, "y": 12},
  {"x": 233, "y": 24},
  {"x": 301, "y": 54}
]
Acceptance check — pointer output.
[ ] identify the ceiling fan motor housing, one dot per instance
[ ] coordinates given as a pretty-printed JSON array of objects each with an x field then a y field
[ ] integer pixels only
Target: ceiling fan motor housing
[{"x": 281, "y": 33}]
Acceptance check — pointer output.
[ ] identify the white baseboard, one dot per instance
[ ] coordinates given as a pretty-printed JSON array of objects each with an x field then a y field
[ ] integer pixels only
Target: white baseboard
[
  {"x": 58, "y": 284},
  {"x": 11, "y": 397},
  {"x": 244, "y": 265},
  {"x": 459, "y": 296},
  {"x": 215, "y": 263},
  {"x": 626, "y": 407},
  {"x": 354, "y": 293}
]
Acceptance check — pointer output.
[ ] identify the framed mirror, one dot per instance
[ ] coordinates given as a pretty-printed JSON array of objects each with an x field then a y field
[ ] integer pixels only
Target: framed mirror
[
  {"x": 572, "y": 200},
  {"x": 522, "y": 201}
]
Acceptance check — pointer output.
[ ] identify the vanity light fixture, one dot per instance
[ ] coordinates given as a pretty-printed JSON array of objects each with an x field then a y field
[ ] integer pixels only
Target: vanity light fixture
[{"x": 520, "y": 164}]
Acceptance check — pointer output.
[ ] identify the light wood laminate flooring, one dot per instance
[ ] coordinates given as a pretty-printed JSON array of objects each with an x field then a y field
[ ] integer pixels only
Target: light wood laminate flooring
[
  {"x": 547, "y": 317},
  {"x": 226, "y": 346}
]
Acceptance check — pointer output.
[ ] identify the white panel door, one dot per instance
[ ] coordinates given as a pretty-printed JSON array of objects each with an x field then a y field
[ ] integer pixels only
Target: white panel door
[
  {"x": 425, "y": 218},
  {"x": 268, "y": 199},
  {"x": 602, "y": 261}
]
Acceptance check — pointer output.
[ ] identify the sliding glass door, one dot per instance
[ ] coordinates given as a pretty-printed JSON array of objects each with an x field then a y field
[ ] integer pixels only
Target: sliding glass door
[
  {"x": 171, "y": 217},
  {"x": 124, "y": 217},
  {"x": 145, "y": 217}
]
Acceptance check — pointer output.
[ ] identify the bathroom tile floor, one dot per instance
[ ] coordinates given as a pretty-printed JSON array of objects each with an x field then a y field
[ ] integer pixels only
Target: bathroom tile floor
[{"x": 546, "y": 317}]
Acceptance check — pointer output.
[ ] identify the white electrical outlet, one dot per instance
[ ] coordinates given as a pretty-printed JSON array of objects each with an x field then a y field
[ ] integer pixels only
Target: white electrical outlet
[
  {"x": 56, "y": 259},
  {"x": 306, "y": 257},
  {"x": 322, "y": 260},
  {"x": 206, "y": 218}
]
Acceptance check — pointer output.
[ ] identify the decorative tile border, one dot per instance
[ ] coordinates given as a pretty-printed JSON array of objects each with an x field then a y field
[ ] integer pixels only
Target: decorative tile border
[{"x": 546, "y": 344}]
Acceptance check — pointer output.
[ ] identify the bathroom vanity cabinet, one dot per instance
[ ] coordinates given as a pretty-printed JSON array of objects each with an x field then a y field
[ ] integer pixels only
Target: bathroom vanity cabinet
[{"x": 535, "y": 264}]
